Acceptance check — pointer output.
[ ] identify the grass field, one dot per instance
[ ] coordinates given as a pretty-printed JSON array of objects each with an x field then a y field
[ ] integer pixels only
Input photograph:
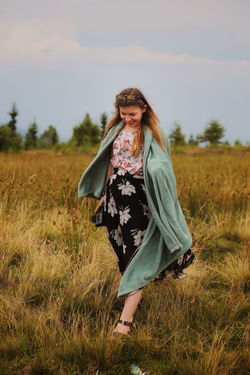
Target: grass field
[{"x": 59, "y": 274}]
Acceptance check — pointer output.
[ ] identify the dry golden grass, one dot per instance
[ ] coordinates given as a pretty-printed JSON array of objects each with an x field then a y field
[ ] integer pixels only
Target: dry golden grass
[{"x": 59, "y": 275}]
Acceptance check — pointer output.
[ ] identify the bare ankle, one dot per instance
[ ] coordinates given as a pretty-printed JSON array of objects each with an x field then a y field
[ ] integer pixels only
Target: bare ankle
[{"x": 128, "y": 318}]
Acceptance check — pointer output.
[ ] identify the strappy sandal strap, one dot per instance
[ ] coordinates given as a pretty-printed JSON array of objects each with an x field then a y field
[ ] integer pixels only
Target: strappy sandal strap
[{"x": 125, "y": 322}]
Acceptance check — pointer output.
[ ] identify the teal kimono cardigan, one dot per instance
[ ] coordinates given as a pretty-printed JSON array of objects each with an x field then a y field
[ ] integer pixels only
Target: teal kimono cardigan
[{"x": 167, "y": 235}]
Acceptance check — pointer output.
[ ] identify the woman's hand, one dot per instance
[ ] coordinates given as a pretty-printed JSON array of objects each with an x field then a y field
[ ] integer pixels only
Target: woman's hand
[{"x": 100, "y": 203}]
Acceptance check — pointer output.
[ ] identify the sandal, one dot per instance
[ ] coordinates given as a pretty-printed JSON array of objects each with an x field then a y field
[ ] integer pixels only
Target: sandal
[{"x": 126, "y": 323}]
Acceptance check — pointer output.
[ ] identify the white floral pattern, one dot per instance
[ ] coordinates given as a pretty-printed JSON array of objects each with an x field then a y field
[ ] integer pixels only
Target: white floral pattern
[
  {"x": 121, "y": 171},
  {"x": 124, "y": 215},
  {"x": 146, "y": 210},
  {"x": 112, "y": 207},
  {"x": 143, "y": 187},
  {"x": 124, "y": 248},
  {"x": 117, "y": 235},
  {"x": 138, "y": 235},
  {"x": 112, "y": 178},
  {"x": 127, "y": 188}
]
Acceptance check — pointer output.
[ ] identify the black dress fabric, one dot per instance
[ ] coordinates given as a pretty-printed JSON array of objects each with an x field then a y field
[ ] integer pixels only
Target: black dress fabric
[{"x": 127, "y": 215}]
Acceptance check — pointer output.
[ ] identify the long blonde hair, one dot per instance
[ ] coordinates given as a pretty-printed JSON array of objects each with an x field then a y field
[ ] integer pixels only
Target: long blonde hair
[{"x": 149, "y": 118}]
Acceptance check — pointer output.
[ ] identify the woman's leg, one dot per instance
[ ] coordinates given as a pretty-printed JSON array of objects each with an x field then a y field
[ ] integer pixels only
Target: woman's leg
[{"x": 131, "y": 302}]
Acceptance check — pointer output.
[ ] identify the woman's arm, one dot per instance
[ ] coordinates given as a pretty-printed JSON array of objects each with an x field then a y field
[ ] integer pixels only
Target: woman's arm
[
  {"x": 109, "y": 171},
  {"x": 110, "y": 168}
]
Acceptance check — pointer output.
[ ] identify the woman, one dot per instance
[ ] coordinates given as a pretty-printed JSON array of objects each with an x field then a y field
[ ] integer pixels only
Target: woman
[{"x": 126, "y": 196}]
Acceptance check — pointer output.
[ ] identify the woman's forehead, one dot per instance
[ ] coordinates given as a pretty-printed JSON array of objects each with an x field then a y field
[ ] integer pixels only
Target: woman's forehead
[{"x": 130, "y": 108}]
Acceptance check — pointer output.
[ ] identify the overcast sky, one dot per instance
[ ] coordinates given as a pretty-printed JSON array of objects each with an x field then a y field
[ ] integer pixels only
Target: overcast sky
[{"x": 63, "y": 58}]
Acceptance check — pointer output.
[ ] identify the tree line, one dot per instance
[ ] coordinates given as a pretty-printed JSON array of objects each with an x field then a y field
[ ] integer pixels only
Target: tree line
[{"x": 87, "y": 133}]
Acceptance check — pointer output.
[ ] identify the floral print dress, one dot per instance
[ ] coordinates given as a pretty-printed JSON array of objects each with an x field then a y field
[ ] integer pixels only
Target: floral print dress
[{"x": 126, "y": 207}]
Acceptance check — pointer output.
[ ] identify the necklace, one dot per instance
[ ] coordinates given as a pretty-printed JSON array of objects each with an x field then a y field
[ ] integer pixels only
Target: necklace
[{"x": 130, "y": 131}]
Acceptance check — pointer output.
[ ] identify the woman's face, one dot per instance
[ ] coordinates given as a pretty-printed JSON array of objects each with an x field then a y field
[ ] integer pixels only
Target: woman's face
[{"x": 131, "y": 114}]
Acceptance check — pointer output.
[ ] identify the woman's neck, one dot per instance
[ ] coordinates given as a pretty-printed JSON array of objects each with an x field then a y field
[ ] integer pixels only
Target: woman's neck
[{"x": 131, "y": 128}]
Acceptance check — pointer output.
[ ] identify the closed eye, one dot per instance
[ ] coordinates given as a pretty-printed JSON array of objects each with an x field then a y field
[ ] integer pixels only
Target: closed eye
[{"x": 131, "y": 114}]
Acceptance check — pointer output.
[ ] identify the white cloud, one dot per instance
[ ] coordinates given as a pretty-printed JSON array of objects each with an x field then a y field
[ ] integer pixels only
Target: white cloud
[
  {"x": 34, "y": 44},
  {"x": 53, "y": 39}
]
